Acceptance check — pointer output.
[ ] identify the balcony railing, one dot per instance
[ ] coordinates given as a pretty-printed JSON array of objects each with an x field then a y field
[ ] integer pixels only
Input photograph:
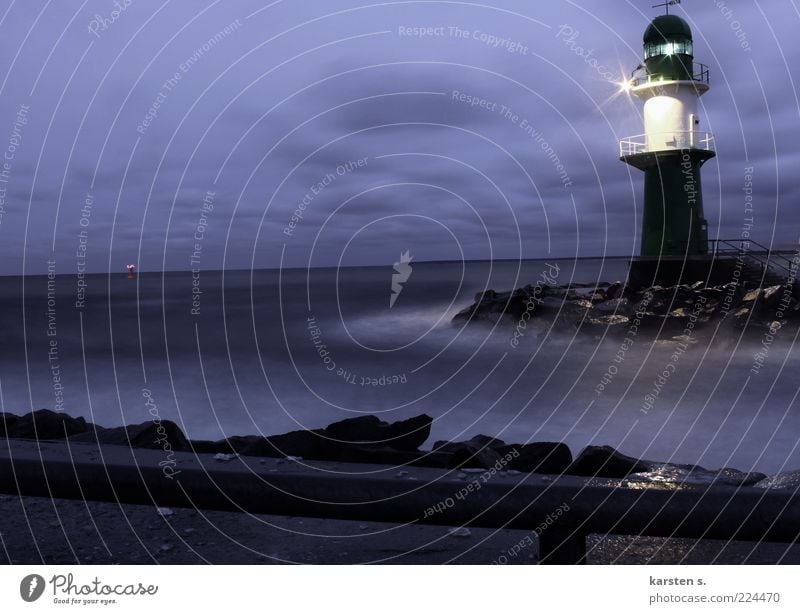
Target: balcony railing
[
  {"x": 699, "y": 73},
  {"x": 687, "y": 139}
]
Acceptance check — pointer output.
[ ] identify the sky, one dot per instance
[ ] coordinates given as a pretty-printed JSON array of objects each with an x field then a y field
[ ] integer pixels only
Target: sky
[{"x": 180, "y": 135}]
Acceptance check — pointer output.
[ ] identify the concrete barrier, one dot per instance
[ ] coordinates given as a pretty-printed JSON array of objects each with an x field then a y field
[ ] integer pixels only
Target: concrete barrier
[{"x": 401, "y": 495}]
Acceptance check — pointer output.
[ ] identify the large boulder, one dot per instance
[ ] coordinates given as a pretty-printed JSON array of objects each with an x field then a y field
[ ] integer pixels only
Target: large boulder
[
  {"x": 609, "y": 321},
  {"x": 789, "y": 481},
  {"x": 478, "y": 441},
  {"x": 489, "y": 306},
  {"x": 305, "y": 444},
  {"x": 403, "y": 435},
  {"x": 694, "y": 475},
  {"x": 539, "y": 457},
  {"x": 752, "y": 296},
  {"x": 615, "y": 290},
  {"x": 618, "y": 306},
  {"x": 480, "y": 452},
  {"x": 7, "y": 422},
  {"x": 484, "y": 452},
  {"x": 773, "y": 295},
  {"x": 151, "y": 435},
  {"x": 606, "y": 462},
  {"x": 317, "y": 445},
  {"x": 361, "y": 439},
  {"x": 44, "y": 424}
]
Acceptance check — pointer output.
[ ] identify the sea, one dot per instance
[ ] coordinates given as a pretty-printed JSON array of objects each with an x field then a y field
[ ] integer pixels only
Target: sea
[{"x": 244, "y": 352}]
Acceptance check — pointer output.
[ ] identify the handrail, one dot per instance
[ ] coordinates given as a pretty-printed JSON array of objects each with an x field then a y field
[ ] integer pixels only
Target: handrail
[
  {"x": 700, "y": 73},
  {"x": 682, "y": 139},
  {"x": 767, "y": 261},
  {"x": 769, "y": 250}
]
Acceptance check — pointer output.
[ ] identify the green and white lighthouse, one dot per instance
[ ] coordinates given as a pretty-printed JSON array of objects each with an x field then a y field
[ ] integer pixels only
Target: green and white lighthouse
[{"x": 673, "y": 146}]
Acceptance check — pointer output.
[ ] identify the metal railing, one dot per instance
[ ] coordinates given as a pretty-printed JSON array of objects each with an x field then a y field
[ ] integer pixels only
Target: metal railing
[
  {"x": 700, "y": 73},
  {"x": 685, "y": 139},
  {"x": 762, "y": 256}
]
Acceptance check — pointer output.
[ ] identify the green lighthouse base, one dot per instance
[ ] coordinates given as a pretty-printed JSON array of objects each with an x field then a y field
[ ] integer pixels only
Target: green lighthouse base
[{"x": 673, "y": 224}]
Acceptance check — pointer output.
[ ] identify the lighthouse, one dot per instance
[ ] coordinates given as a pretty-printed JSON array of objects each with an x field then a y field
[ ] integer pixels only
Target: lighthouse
[{"x": 670, "y": 152}]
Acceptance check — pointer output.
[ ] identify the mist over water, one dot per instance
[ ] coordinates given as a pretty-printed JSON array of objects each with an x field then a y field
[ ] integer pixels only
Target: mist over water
[{"x": 271, "y": 351}]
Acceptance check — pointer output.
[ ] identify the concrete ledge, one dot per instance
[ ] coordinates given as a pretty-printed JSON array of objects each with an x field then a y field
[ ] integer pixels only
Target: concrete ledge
[{"x": 388, "y": 494}]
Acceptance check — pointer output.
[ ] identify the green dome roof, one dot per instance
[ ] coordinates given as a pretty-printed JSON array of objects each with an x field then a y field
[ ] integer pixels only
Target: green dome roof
[{"x": 667, "y": 27}]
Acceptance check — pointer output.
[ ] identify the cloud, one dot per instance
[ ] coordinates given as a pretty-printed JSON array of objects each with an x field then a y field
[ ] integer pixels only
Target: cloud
[{"x": 483, "y": 121}]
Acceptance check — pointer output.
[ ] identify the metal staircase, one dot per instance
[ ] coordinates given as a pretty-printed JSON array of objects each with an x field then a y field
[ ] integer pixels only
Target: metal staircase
[{"x": 762, "y": 266}]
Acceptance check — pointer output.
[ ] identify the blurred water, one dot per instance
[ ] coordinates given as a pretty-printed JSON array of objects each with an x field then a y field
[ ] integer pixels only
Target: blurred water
[{"x": 252, "y": 360}]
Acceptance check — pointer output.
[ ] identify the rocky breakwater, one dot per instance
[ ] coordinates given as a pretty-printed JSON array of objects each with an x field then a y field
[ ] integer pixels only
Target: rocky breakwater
[
  {"x": 369, "y": 439},
  {"x": 616, "y": 306}
]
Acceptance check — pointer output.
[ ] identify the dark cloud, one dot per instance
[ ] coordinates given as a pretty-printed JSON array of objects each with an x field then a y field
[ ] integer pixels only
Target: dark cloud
[{"x": 266, "y": 106}]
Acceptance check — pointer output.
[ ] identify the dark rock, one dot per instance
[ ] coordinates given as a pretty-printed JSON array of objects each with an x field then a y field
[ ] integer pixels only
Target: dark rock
[
  {"x": 45, "y": 424},
  {"x": 780, "y": 298},
  {"x": 615, "y": 290},
  {"x": 783, "y": 481},
  {"x": 7, "y": 422},
  {"x": 480, "y": 452},
  {"x": 480, "y": 441},
  {"x": 361, "y": 439},
  {"x": 714, "y": 294},
  {"x": 318, "y": 445},
  {"x": 149, "y": 435},
  {"x": 361, "y": 428},
  {"x": 491, "y": 306},
  {"x": 659, "y": 305},
  {"x": 305, "y": 444},
  {"x": 464, "y": 315},
  {"x": 539, "y": 290},
  {"x": 773, "y": 295},
  {"x": 609, "y": 321},
  {"x": 406, "y": 435},
  {"x": 518, "y": 305},
  {"x": 693, "y": 475},
  {"x": 575, "y": 310},
  {"x": 684, "y": 313},
  {"x": 605, "y": 462},
  {"x": 668, "y": 307},
  {"x": 567, "y": 293},
  {"x": 731, "y": 289},
  {"x": 486, "y": 295},
  {"x": 367, "y": 439},
  {"x": 734, "y": 477},
  {"x": 539, "y": 457},
  {"x": 752, "y": 296},
  {"x": 618, "y": 306}
]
